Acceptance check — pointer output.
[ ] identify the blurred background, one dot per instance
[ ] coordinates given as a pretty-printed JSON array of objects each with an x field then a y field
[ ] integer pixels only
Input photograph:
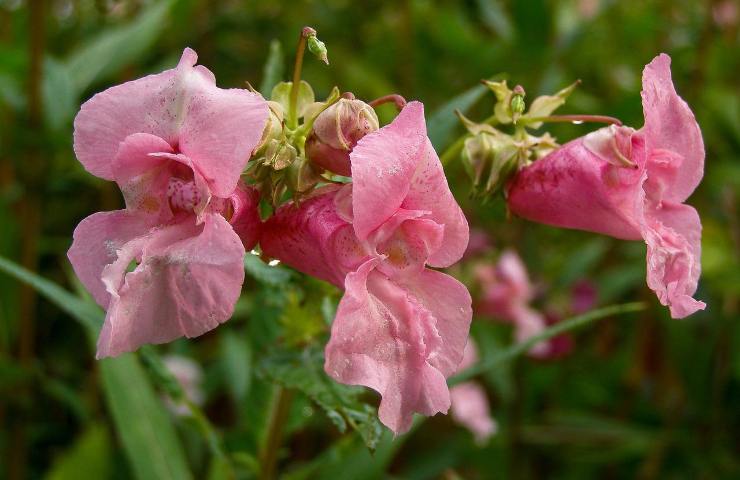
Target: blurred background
[{"x": 638, "y": 395}]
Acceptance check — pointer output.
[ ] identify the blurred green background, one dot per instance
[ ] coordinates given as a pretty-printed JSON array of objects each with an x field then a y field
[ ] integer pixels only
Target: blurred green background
[{"x": 640, "y": 396}]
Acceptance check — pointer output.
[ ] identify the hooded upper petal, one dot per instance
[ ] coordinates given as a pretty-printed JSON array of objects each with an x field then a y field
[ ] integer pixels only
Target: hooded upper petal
[
  {"x": 186, "y": 282},
  {"x": 396, "y": 167},
  {"x": 216, "y": 128},
  {"x": 670, "y": 125}
]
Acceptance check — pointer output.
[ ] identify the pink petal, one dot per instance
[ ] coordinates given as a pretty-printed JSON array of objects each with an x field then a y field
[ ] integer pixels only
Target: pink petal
[
  {"x": 312, "y": 238},
  {"x": 383, "y": 338},
  {"x": 470, "y": 409},
  {"x": 143, "y": 177},
  {"x": 397, "y": 167},
  {"x": 383, "y": 164},
  {"x": 670, "y": 125},
  {"x": 186, "y": 283},
  {"x": 576, "y": 187},
  {"x": 527, "y": 324},
  {"x": 245, "y": 219},
  {"x": 216, "y": 128},
  {"x": 96, "y": 241},
  {"x": 673, "y": 237}
]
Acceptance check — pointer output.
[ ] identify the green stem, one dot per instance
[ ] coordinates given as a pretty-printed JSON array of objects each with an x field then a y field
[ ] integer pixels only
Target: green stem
[
  {"x": 553, "y": 331},
  {"x": 269, "y": 454},
  {"x": 300, "y": 52}
]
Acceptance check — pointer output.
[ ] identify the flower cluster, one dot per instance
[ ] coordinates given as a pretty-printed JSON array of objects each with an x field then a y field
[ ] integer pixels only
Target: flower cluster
[{"x": 370, "y": 212}]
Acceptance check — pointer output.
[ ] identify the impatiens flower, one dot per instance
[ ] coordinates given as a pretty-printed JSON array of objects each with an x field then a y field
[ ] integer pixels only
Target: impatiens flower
[
  {"x": 469, "y": 402},
  {"x": 170, "y": 264},
  {"x": 506, "y": 293},
  {"x": 631, "y": 184},
  {"x": 400, "y": 328}
]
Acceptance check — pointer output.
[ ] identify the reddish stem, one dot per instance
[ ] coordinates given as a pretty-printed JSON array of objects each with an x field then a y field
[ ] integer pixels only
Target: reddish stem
[{"x": 394, "y": 97}]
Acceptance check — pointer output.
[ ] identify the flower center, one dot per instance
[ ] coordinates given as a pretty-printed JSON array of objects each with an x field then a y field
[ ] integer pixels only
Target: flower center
[{"x": 183, "y": 195}]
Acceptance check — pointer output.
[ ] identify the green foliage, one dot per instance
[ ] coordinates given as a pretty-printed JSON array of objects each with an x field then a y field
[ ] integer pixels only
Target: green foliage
[
  {"x": 304, "y": 371},
  {"x": 88, "y": 457}
]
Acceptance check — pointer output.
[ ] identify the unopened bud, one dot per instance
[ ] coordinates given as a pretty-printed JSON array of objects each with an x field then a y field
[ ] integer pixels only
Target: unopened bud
[
  {"x": 489, "y": 161},
  {"x": 273, "y": 129},
  {"x": 318, "y": 48},
  {"x": 336, "y": 131},
  {"x": 516, "y": 103}
]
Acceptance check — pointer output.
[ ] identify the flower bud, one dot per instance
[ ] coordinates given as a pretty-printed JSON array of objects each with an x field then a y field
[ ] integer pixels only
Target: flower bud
[
  {"x": 336, "y": 131},
  {"x": 274, "y": 127}
]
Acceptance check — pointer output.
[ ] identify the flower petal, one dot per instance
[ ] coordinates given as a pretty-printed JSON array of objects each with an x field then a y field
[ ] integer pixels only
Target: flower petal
[
  {"x": 216, "y": 128},
  {"x": 187, "y": 282},
  {"x": 575, "y": 187},
  {"x": 670, "y": 125},
  {"x": 469, "y": 408},
  {"x": 312, "y": 238},
  {"x": 245, "y": 219},
  {"x": 95, "y": 244},
  {"x": 673, "y": 237},
  {"x": 384, "y": 339},
  {"x": 397, "y": 167}
]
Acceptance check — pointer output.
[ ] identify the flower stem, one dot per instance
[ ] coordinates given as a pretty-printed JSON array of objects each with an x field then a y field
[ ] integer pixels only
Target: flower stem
[
  {"x": 577, "y": 119},
  {"x": 394, "y": 97},
  {"x": 454, "y": 150},
  {"x": 297, "y": 69},
  {"x": 553, "y": 331},
  {"x": 269, "y": 454}
]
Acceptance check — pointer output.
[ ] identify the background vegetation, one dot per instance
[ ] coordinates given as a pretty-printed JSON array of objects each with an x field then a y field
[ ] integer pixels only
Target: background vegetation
[{"x": 640, "y": 395}]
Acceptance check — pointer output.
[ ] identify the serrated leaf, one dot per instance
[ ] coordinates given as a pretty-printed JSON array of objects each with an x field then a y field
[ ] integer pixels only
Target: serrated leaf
[
  {"x": 274, "y": 68},
  {"x": 304, "y": 371},
  {"x": 442, "y": 123},
  {"x": 269, "y": 275},
  {"x": 146, "y": 432}
]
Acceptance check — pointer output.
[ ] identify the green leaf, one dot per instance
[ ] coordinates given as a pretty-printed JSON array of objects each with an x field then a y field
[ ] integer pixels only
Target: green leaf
[
  {"x": 274, "y": 68},
  {"x": 304, "y": 371},
  {"x": 60, "y": 96},
  {"x": 145, "y": 429},
  {"x": 281, "y": 95},
  {"x": 236, "y": 359},
  {"x": 117, "y": 47},
  {"x": 269, "y": 275},
  {"x": 88, "y": 457},
  {"x": 89, "y": 315},
  {"x": 442, "y": 123}
]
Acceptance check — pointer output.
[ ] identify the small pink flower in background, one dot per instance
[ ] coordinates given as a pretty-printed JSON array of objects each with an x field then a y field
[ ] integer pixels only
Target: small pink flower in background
[
  {"x": 506, "y": 293},
  {"x": 400, "y": 328},
  {"x": 170, "y": 264},
  {"x": 479, "y": 243},
  {"x": 631, "y": 185},
  {"x": 469, "y": 402},
  {"x": 190, "y": 377}
]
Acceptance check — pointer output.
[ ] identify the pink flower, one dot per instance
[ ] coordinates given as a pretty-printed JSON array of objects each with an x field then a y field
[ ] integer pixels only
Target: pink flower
[
  {"x": 400, "y": 328},
  {"x": 506, "y": 295},
  {"x": 469, "y": 402},
  {"x": 170, "y": 264},
  {"x": 631, "y": 185},
  {"x": 190, "y": 376}
]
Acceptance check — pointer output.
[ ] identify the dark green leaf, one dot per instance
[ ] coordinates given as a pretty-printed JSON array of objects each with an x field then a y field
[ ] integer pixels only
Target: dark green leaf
[
  {"x": 263, "y": 273},
  {"x": 88, "y": 457},
  {"x": 304, "y": 371}
]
